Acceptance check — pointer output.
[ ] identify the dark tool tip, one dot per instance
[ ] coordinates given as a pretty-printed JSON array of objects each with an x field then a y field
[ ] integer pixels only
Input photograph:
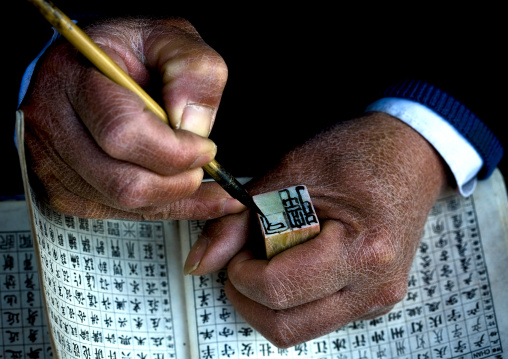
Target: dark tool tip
[
  {"x": 255, "y": 207},
  {"x": 243, "y": 196},
  {"x": 231, "y": 185}
]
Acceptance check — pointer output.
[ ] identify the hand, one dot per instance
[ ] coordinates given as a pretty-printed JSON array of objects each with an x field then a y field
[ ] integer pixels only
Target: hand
[
  {"x": 96, "y": 150},
  {"x": 372, "y": 181}
]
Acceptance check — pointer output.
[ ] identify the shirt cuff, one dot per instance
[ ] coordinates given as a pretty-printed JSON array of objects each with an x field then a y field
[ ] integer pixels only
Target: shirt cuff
[
  {"x": 461, "y": 157},
  {"x": 27, "y": 76}
]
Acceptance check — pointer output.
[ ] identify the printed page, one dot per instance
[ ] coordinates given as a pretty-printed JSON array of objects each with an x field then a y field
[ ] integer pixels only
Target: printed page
[
  {"x": 23, "y": 330},
  {"x": 111, "y": 288},
  {"x": 189, "y": 232},
  {"x": 455, "y": 306}
]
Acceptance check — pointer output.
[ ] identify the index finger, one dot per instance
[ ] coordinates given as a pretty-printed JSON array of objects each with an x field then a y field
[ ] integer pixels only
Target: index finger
[
  {"x": 305, "y": 273},
  {"x": 126, "y": 131}
]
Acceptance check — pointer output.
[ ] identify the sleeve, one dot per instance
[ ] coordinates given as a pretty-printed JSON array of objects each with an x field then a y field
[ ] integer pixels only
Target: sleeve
[
  {"x": 27, "y": 75},
  {"x": 467, "y": 145}
]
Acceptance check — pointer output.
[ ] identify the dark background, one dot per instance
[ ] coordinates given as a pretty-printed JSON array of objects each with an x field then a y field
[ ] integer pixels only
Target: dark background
[{"x": 294, "y": 70}]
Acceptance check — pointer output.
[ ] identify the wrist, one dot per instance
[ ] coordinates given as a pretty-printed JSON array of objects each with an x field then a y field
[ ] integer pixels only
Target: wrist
[
  {"x": 456, "y": 114},
  {"x": 461, "y": 157}
]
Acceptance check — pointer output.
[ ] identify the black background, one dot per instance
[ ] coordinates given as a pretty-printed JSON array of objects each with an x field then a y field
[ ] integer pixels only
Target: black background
[{"x": 296, "y": 69}]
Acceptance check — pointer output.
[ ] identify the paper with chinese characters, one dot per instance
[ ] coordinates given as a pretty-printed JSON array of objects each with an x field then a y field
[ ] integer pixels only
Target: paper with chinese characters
[
  {"x": 23, "y": 327},
  {"x": 109, "y": 286},
  {"x": 455, "y": 306},
  {"x": 107, "y": 289}
]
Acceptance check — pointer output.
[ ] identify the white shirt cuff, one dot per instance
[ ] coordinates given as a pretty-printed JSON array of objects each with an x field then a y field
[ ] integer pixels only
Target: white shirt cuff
[{"x": 463, "y": 160}]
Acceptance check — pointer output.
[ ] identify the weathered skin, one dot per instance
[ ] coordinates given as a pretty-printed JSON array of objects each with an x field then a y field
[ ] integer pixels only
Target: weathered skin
[
  {"x": 372, "y": 181},
  {"x": 98, "y": 153}
]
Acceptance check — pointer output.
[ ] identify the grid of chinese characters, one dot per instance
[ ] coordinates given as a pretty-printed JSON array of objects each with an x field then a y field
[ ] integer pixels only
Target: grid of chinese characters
[
  {"x": 107, "y": 287},
  {"x": 448, "y": 311},
  {"x": 23, "y": 324}
]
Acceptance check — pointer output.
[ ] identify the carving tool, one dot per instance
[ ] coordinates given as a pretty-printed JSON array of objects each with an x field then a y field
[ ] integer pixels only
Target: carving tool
[{"x": 67, "y": 28}]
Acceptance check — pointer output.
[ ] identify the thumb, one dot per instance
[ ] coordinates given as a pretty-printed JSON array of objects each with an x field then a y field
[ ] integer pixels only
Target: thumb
[
  {"x": 220, "y": 240},
  {"x": 193, "y": 75},
  {"x": 208, "y": 202}
]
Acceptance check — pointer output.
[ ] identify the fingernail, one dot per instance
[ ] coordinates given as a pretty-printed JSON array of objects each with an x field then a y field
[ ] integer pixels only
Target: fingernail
[
  {"x": 195, "y": 254},
  {"x": 197, "y": 119}
]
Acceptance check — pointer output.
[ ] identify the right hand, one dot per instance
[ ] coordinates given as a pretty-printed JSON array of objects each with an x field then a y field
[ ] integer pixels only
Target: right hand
[{"x": 96, "y": 150}]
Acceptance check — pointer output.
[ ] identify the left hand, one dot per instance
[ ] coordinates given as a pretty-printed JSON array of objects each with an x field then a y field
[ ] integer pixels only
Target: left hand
[
  {"x": 94, "y": 149},
  {"x": 372, "y": 181}
]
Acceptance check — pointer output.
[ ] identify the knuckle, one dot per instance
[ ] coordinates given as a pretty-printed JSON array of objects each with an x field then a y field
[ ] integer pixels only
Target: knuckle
[
  {"x": 208, "y": 67},
  {"x": 219, "y": 69},
  {"x": 119, "y": 136},
  {"x": 278, "y": 292},
  {"x": 209, "y": 64},
  {"x": 282, "y": 332},
  {"x": 382, "y": 252},
  {"x": 130, "y": 194},
  {"x": 392, "y": 294}
]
